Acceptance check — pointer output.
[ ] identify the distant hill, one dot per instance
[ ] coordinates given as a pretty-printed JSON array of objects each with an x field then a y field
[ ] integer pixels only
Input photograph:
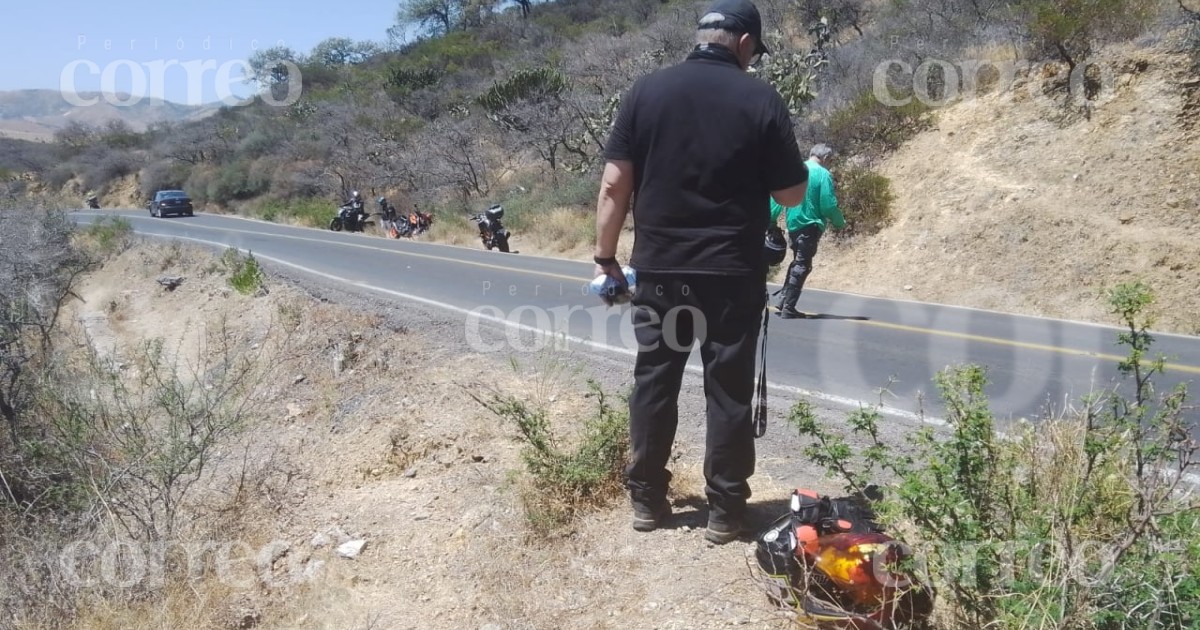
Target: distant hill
[{"x": 37, "y": 114}]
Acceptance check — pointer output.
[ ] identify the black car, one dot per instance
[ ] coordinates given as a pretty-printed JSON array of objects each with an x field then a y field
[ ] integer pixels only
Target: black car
[{"x": 167, "y": 202}]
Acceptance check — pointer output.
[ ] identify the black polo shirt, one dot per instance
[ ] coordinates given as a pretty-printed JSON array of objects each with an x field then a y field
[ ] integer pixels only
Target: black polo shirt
[{"x": 708, "y": 143}]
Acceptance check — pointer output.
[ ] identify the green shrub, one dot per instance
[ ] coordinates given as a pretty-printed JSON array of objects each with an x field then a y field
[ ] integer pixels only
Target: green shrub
[
  {"x": 562, "y": 26},
  {"x": 574, "y": 191},
  {"x": 148, "y": 439},
  {"x": 865, "y": 198},
  {"x": 158, "y": 176},
  {"x": 109, "y": 234},
  {"x": 257, "y": 144},
  {"x": 235, "y": 181},
  {"x": 245, "y": 275},
  {"x": 524, "y": 85},
  {"x": 788, "y": 73},
  {"x": 1068, "y": 30},
  {"x": 401, "y": 81},
  {"x": 311, "y": 212},
  {"x": 1079, "y": 522},
  {"x": 102, "y": 165},
  {"x": 197, "y": 184},
  {"x": 870, "y": 128},
  {"x": 566, "y": 481},
  {"x": 454, "y": 52}
]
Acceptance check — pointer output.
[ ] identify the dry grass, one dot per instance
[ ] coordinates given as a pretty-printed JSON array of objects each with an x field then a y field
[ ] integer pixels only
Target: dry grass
[
  {"x": 562, "y": 230},
  {"x": 990, "y": 64},
  {"x": 451, "y": 231},
  {"x": 206, "y": 604}
]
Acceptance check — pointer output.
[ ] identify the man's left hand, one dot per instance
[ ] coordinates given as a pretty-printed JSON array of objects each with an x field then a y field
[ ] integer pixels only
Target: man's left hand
[{"x": 615, "y": 272}]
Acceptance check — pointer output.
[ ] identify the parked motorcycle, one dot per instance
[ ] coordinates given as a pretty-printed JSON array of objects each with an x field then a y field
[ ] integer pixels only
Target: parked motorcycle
[
  {"x": 93, "y": 202},
  {"x": 492, "y": 233},
  {"x": 419, "y": 222},
  {"x": 399, "y": 228},
  {"x": 388, "y": 220},
  {"x": 351, "y": 217}
]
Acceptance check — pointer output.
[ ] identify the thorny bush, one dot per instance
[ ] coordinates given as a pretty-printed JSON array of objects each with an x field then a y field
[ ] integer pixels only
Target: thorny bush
[{"x": 1084, "y": 521}]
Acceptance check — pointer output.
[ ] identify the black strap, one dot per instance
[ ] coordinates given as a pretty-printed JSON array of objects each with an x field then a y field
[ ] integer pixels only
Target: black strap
[{"x": 760, "y": 411}]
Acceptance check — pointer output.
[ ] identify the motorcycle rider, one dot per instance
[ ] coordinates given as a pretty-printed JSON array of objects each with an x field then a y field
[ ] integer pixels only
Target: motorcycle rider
[
  {"x": 387, "y": 210},
  {"x": 354, "y": 207}
]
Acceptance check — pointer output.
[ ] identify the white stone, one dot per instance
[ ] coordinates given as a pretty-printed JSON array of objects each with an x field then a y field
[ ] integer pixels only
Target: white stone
[{"x": 352, "y": 549}]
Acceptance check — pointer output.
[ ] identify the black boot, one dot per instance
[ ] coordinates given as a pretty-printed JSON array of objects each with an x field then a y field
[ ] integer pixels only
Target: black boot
[
  {"x": 789, "y": 295},
  {"x": 787, "y": 304},
  {"x": 804, "y": 247}
]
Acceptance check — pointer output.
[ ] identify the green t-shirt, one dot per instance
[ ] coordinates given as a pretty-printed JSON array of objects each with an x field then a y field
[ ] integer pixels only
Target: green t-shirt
[{"x": 820, "y": 203}]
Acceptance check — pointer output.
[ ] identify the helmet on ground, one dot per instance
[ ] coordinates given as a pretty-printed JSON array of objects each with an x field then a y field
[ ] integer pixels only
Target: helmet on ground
[{"x": 830, "y": 561}]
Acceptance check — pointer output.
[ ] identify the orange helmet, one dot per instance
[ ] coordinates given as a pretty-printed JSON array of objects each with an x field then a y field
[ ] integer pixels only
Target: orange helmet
[{"x": 838, "y": 567}]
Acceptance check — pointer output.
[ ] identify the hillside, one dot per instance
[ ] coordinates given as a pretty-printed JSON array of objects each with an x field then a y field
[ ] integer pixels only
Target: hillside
[
  {"x": 1000, "y": 207},
  {"x": 36, "y": 114}
]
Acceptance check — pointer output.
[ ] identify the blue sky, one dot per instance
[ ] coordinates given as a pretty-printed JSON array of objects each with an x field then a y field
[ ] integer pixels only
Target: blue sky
[{"x": 39, "y": 39}]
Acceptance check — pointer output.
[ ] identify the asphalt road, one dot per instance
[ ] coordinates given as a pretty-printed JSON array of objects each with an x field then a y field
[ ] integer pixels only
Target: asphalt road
[{"x": 854, "y": 346}]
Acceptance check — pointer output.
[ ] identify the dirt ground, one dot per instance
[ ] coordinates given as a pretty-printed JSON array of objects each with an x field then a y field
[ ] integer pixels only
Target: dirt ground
[{"x": 370, "y": 417}]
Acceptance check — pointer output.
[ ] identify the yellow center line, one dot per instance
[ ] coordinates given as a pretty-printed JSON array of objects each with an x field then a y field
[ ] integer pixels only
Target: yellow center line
[
  {"x": 491, "y": 266},
  {"x": 1171, "y": 367}
]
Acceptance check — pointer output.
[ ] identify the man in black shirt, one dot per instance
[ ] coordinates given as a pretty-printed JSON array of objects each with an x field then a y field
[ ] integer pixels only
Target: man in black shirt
[{"x": 701, "y": 146}]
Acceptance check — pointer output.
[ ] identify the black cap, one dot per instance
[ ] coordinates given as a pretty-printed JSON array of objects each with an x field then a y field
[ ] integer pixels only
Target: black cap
[{"x": 738, "y": 16}]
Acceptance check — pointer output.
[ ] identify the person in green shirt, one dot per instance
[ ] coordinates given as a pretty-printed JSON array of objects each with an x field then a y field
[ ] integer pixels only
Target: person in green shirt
[{"x": 805, "y": 226}]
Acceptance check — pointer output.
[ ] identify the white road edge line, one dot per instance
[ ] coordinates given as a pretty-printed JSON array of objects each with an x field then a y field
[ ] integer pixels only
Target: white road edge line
[
  {"x": 788, "y": 389},
  {"x": 1106, "y": 327}
]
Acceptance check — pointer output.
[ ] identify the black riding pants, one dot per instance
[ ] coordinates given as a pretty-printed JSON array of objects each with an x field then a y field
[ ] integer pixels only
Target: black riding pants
[
  {"x": 804, "y": 250},
  {"x": 670, "y": 313}
]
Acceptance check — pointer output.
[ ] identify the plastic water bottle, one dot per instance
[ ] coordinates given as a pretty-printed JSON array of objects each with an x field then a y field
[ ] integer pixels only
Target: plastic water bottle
[{"x": 607, "y": 285}]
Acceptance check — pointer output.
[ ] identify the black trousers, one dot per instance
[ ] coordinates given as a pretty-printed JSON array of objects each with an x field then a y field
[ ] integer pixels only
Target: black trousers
[
  {"x": 724, "y": 314},
  {"x": 804, "y": 250}
]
